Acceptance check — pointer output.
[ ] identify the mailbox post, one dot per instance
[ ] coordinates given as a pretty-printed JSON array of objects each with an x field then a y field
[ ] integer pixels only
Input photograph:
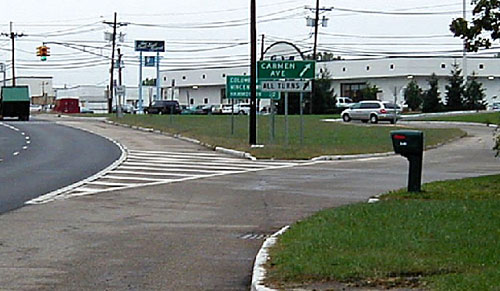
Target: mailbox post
[{"x": 410, "y": 144}]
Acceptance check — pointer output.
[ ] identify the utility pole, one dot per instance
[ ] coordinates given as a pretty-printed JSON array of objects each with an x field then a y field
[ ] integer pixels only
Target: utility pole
[
  {"x": 315, "y": 46},
  {"x": 253, "y": 72},
  {"x": 115, "y": 25},
  {"x": 13, "y": 37},
  {"x": 464, "y": 58}
]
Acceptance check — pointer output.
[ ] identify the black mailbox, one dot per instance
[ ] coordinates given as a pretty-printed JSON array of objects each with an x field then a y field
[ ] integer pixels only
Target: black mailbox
[{"x": 410, "y": 144}]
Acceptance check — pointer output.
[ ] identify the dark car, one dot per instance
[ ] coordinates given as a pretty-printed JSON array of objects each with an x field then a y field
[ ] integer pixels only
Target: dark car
[{"x": 164, "y": 107}]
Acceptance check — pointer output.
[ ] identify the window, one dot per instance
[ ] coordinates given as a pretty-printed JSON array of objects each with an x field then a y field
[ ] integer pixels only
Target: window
[
  {"x": 353, "y": 91},
  {"x": 481, "y": 66},
  {"x": 205, "y": 101},
  {"x": 191, "y": 101},
  {"x": 370, "y": 105}
]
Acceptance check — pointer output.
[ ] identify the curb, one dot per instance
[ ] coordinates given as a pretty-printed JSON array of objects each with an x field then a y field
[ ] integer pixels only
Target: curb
[
  {"x": 54, "y": 195},
  {"x": 223, "y": 150},
  {"x": 259, "y": 271}
]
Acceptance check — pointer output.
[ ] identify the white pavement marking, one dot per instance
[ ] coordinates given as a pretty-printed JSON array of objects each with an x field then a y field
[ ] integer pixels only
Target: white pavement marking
[
  {"x": 25, "y": 147},
  {"x": 148, "y": 168},
  {"x": 16, "y": 153}
]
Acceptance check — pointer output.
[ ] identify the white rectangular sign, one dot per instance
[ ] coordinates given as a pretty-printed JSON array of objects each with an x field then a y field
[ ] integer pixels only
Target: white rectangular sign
[{"x": 286, "y": 86}]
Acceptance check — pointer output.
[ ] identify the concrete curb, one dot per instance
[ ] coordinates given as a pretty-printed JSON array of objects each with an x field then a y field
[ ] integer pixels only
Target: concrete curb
[
  {"x": 54, "y": 195},
  {"x": 259, "y": 271},
  {"x": 223, "y": 150},
  {"x": 352, "y": 157}
]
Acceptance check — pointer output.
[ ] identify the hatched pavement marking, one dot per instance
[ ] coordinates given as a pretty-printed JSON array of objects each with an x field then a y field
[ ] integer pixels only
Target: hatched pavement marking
[{"x": 148, "y": 168}]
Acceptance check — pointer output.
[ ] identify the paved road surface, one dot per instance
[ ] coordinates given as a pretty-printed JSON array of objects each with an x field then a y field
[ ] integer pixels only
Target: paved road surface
[
  {"x": 39, "y": 157},
  {"x": 201, "y": 234}
]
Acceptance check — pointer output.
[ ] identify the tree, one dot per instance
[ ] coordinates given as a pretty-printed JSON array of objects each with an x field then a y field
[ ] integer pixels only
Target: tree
[
  {"x": 431, "y": 96},
  {"x": 455, "y": 90},
  {"x": 324, "y": 99},
  {"x": 369, "y": 92},
  {"x": 413, "y": 95},
  {"x": 485, "y": 18},
  {"x": 474, "y": 94}
]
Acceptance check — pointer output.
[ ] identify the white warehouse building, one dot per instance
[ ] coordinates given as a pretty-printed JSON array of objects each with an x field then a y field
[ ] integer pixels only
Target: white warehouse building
[{"x": 390, "y": 75}]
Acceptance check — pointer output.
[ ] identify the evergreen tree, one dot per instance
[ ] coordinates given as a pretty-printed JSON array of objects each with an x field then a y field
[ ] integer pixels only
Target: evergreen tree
[
  {"x": 431, "y": 96},
  {"x": 369, "y": 92},
  {"x": 455, "y": 90},
  {"x": 474, "y": 94},
  {"x": 324, "y": 100},
  {"x": 413, "y": 95}
]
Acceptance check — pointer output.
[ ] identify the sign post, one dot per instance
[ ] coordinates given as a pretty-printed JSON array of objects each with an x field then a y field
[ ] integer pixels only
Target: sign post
[
  {"x": 287, "y": 76},
  {"x": 156, "y": 46}
]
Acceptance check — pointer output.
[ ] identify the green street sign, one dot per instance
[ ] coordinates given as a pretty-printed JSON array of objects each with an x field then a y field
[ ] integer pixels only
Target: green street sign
[
  {"x": 238, "y": 87},
  {"x": 285, "y": 70}
]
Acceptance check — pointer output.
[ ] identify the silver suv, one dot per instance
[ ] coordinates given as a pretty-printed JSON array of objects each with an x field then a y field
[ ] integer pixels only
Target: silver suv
[{"x": 373, "y": 111}]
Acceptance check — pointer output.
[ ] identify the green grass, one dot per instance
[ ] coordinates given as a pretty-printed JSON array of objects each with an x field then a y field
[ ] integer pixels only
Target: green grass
[
  {"x": 446, "y": 238},
  {"x": 320, "y": 138},
  {"x": 486, "y": 118}
]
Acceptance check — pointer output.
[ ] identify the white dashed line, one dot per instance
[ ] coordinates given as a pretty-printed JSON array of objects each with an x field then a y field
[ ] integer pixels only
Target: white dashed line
[
  {"x": 25, "y": 147},
  {"x": 16, "y": 153}
]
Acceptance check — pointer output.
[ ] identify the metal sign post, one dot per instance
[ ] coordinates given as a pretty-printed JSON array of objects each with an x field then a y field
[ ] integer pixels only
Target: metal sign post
[
  {"x": 301, "y": 119},
  {"x": 158, "y": 97},
  {"x": 156, "y": 46},
  {"x": 141, "y": 111},
  {"x": 286, "y": 118}
]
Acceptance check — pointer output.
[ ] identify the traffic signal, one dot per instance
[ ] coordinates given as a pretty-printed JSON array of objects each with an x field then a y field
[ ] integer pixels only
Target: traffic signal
[{"x": 43, "y": 52}]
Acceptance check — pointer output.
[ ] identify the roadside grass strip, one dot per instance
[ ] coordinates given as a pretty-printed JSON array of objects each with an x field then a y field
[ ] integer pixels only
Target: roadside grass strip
[
  {"x": 320, "y": 138},
  {"x": 483, "y": 117},
  {"x": 445, "y": 238}
]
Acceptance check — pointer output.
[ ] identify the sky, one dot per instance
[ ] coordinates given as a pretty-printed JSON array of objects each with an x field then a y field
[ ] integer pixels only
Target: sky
[{"x": 204, "y": 34}]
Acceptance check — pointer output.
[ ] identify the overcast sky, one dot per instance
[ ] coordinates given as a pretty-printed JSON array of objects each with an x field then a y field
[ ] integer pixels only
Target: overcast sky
[{"x": 213, "y": 33}]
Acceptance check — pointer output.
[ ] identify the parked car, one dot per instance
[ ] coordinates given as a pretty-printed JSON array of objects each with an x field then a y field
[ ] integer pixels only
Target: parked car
[
  {"x": 373, "y": 111},
  {"x": 163, "y": 107},
  {"x": 126, "y": 108},
  {"x": 35, "y": 108},
  {"x": 241, "y": 108},
  {"x": 226, "y": 109},
  {"x": 217, "y": 109},
  {"x": 494, "y": 106},
  {"x": 343, "y": 102},
  {"x": 86, "y": 110}
]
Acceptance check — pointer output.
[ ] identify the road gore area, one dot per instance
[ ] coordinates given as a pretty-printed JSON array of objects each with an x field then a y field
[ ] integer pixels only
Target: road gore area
[{"x": 320, "y": 138}]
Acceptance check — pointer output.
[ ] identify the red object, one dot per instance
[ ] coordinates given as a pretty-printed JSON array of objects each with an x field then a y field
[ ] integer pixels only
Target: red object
[
  {"x": 67, "y": 105},
  {"x": 399, "y": 137},
  {"x": 383, "y": 111}
]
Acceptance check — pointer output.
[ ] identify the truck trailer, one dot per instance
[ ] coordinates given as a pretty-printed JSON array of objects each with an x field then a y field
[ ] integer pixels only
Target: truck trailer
[{"x": 15, "y": 102}]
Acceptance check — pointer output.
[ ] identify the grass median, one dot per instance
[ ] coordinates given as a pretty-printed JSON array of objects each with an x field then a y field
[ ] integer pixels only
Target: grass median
[
  {"x": 320, "y": 138},
  {"x": 482, "y": 117},
  {"x": 445, "y": 238}
]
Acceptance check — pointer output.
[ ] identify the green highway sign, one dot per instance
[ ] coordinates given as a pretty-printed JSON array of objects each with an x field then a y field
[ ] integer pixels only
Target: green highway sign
[
  {"x": 238, "y": 87},
  {"x": 285, "y": 70}
]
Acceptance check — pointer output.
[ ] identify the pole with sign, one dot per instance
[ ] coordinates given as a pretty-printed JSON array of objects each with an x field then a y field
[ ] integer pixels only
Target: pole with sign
[
  {"x": 156, "y": 46},
  {"x": 287, "y": 76}
]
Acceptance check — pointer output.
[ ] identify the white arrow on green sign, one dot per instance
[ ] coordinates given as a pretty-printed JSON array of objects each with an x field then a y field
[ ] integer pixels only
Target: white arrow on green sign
[
  {"x": 286, "y": 70},
  {"x": 238, "y": 87}
]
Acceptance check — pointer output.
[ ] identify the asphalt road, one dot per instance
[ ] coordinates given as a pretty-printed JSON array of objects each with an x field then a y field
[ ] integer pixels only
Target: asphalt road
[
  {"x": 200, "y": 234},
  {"x": 39, "y": 157}
]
